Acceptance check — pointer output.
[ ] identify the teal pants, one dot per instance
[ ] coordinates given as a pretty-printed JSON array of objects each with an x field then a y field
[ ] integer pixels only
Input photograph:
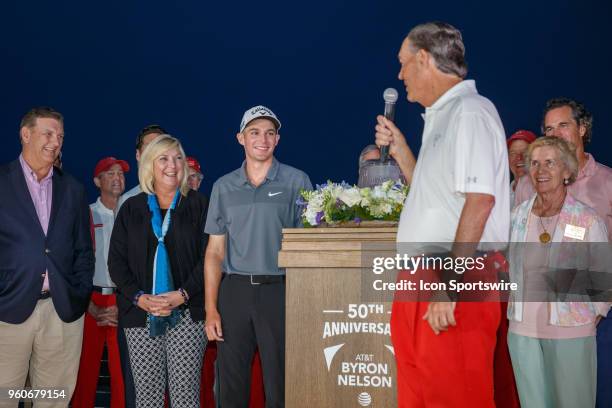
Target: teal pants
[{"x": 554, "y": 373}]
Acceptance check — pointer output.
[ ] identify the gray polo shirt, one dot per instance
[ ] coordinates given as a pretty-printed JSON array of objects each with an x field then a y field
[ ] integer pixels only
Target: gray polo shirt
[{"x": 251, "y": 218}]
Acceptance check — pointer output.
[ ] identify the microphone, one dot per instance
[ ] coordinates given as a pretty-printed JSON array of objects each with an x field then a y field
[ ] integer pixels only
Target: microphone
[{"x": 390, "y": 97}]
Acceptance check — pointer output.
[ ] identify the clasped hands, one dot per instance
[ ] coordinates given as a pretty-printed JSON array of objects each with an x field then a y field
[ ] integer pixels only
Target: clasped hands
[{"x": 162, "y": 304}]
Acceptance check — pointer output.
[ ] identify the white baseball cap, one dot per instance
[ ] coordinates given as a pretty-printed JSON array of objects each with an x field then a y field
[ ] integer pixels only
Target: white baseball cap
[{"x": 257, "y": 112}]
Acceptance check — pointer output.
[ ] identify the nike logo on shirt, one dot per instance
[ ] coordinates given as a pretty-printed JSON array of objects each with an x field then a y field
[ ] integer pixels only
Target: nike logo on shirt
[{"x": 273, "y": 194}]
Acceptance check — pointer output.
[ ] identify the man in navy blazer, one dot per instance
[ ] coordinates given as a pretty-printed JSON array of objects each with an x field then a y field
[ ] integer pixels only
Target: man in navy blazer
[{"x": 46, "y": 262}]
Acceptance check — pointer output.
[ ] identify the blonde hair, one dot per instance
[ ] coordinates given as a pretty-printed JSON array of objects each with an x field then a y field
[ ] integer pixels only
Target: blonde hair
[
  {"x": 156, "y": 148},
  {"x": 567, "y": 154}
]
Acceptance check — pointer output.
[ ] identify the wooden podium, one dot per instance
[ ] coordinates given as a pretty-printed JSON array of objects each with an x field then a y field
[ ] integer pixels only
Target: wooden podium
[{"x": 338, "y": 345}]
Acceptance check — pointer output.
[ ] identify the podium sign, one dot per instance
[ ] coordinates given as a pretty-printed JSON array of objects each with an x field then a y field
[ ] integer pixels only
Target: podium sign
[{"x": 338, "y": 346}]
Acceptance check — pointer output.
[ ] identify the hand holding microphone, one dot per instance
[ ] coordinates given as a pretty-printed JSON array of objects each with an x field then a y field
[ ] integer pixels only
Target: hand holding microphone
[
  {"x": 391, "y": 141},
  {"x": 389, "y": 138}
]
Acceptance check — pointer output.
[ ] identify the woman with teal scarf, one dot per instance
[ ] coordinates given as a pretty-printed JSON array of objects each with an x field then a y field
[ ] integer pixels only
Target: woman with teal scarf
[{"x": 156, "y": 260}]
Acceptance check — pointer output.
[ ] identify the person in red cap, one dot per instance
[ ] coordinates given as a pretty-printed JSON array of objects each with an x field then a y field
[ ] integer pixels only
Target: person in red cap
[
  {"x": 517, "y": 146},
  {"x": 195, "y": 174},
  {"x": 101, "y": 317}
]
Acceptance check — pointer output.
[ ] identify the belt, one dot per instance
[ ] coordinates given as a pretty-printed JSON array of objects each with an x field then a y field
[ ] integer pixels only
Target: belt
[
  {"x": 257, "y": 279},
  {"x": 44, "y": 294},
  {"x": 105, "y": 290}
]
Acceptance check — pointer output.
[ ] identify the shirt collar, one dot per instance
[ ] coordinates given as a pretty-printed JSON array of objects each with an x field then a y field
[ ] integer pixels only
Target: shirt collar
[
  {"x": 465, "y": 87},
  {"x": 272, "y": 172},
  {"x": 30, "y": 174},
  {"x": 589, "y": 168},
  {"x": 102, "y": 207}
]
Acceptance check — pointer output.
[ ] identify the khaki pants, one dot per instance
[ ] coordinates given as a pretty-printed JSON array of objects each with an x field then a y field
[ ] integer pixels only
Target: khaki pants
[{"x": 46, "y": 347}]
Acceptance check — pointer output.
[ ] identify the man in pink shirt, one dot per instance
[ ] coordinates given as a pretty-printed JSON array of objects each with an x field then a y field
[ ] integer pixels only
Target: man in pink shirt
[
  {"x": 46, "y": 264},
  {"x": 569, "y": 120}
]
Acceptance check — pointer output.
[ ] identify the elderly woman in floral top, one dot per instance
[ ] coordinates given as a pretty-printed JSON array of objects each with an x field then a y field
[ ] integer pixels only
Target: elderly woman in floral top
[{"x": 552, "y": 344}]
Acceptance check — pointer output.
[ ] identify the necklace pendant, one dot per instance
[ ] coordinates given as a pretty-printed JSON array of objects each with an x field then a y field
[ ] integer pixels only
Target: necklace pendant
[{"x": 545, "y": 237}]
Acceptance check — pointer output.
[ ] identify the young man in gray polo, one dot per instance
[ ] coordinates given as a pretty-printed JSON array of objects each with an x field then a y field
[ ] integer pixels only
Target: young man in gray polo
[{"x": 244, "y": 287}]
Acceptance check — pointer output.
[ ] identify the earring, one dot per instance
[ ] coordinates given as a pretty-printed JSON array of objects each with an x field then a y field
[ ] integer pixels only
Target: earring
[{"x": 565, "y": 182}]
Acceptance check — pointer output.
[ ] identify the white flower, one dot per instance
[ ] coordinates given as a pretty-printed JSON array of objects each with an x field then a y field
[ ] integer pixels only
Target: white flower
[
  {"x": 377, "y": 202},
  {"x": 377, "y": 210},
  {"x": 387, "y": 185},
  {"x": 314, "y": 206},
  {"x": 396, "y": 196},
  {"x": 311, "y": 216},
  {"x": 350, "y": 196},
  {"x": 315, "y": 203},
  {"x": 334, "y": 190},
  {"x": 378, "y": 192}
]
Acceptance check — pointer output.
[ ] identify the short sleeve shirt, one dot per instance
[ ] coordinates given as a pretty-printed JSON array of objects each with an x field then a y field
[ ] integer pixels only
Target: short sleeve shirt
[
  {"x": 102, "y": 219},
  {"x": 463, "y": 151},
  {"x": 252, "y": 218}
]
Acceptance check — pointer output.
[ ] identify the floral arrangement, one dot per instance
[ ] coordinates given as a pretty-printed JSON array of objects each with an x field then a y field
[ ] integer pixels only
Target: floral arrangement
[{"x": 334, "y": 203}]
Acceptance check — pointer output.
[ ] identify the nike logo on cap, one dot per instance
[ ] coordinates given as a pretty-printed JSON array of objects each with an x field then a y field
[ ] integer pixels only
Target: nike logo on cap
[{"x": 273, "y": 194}]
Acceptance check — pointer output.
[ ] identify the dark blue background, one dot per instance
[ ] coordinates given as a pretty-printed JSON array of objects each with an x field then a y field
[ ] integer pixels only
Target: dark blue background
[{"x": 112, "y": 67}]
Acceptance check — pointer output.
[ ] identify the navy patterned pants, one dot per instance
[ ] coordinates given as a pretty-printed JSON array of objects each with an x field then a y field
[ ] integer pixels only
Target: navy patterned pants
[{"x": 174, "y": 359}]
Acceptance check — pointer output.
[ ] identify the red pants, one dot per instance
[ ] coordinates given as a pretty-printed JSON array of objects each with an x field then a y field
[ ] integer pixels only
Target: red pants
[
  {"x": 94, "y": 338},
  {"x": 454, "y": 368},
  {"x": 506, "y": 395}
]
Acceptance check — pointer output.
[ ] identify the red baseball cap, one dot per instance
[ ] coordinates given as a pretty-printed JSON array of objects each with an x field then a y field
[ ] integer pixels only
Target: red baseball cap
[
  {"x": 525, "y": 135},
  {"x": 107, "y": 162},
  {"x": 193, "y": 163}
]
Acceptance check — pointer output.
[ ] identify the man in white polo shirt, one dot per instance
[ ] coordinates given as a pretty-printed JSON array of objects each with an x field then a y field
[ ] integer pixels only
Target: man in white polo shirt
[
  {"x": 101, "y": 316},
  {"x": 459, "y": 196}
]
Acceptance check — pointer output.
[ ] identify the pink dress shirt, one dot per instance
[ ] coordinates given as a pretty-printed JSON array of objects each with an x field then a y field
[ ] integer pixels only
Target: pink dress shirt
[{"x": 41, "y": 193}]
